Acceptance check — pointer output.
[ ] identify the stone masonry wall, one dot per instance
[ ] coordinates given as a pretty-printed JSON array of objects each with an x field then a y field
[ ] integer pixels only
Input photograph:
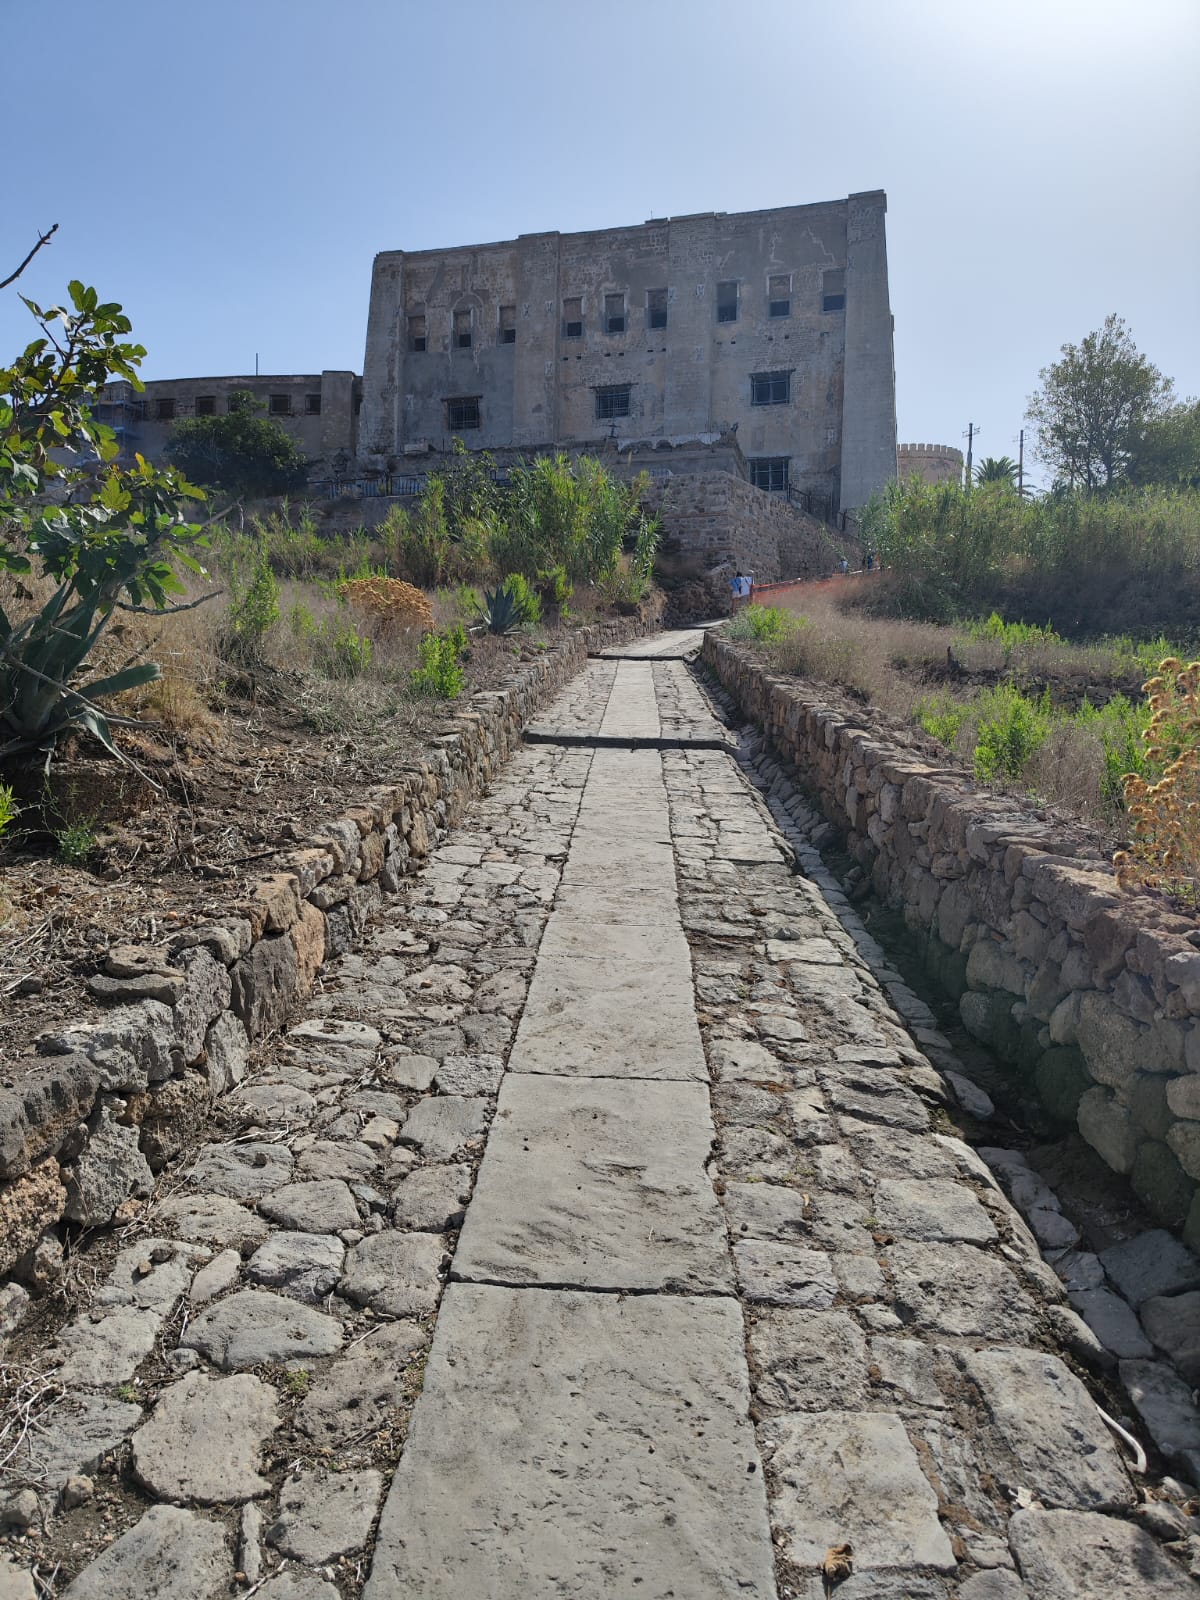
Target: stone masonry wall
[
  {"x": 1092, "y": 994},
  {"x": 722, "y": 519},
  {"x": 108, "y": 1102}
]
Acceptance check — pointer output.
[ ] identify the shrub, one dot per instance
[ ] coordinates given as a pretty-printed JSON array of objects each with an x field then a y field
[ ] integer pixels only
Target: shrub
[
  {"x": 942, "y": 718},
  {"x": 389, "y": 600},
  {"x": 75, "y": 843},
  {"x": 342, "y": 651},
  {"x": 254, "y": 603},
  {"x": 1011, "y": 729},
  {"x": 440, "y": 673},
  {"x": 1164, "y": 815},
  {"x": 764, "y": 624}
]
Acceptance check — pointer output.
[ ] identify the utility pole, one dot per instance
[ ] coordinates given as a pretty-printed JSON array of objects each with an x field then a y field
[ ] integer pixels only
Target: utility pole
[
  {"x": 1021, "y": 463},
  {"x": 972, "y": 429}
]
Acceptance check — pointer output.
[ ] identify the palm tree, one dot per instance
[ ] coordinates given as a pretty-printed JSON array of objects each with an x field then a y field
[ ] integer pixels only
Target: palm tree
[{"x": 997, "y": 469}]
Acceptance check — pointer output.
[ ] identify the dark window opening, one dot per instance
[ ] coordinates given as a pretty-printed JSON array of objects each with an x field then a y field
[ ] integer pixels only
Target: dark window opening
[
  {"x": 573, "y": 318},
  {"x": 508, "y": 324},
  {"x": 612, "y": 401},
  {"x": 656, "y": 308},
  {"x": 833, "y": 289},
  {"x": 312, "y": 405},
  {"x": 206, "y": 405},
  {"x": 727, "y": 302},
  {"x": 164, "y": 410},
  {"x": 416, "y": 333},
  {"x": 770, "y": 473},
  {"x": 280, "y": 405},
  {"x": 770, "y": 388},
  {"x": 779, "y": 296},
  {"x": 614, "y": 313},
  {"x": 462, "y": 331},
  {"x": 462, "y": 414}
]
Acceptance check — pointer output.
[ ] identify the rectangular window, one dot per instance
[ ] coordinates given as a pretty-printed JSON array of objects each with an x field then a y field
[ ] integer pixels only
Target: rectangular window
[
  {"x": 462, "y": 332},
  {"x": 416, "y": 332},
  {"x": 206, "y": 405},
  {"x": 312, "y": 405},
  {"x": 727, "y": 302},
  {"x": 779, "y": 295},
  {"x": 833, "y": 289},
  {"x": 612, "y": 401},
  {"x": 573, "y": 318},
  {"x": 770, "y": 473},
  {"x": 614, "y": 313},
  {"x": 280, "y": 405},
  {"x": 462, "y": 414},
  {"x": 770, "y": 388},
  {"x": 656, "y": 308},
  {"x": 508, "y": 324},
  {"x": 164, "y": 410}
]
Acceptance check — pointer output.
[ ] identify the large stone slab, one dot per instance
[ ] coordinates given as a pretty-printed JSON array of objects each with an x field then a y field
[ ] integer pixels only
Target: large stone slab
[
  {"x": 597, "y": 1184},
  {"x": 398, "y": 1274},
  {"x": 169, "y": 1555},
  {"x": 324, "y": 1515},
  {"x": 205, "y": 1438},
  {"x": 855, "y": 1479},
  {"x": 613, "y": 1006},
  {"x": 71, "y": 1438},
  {"x": 356, "y": 1395},
  {"x": 1078, "y": 1555},
  {"x": 110, "y": 1350},
  {"x": 1045, "y": 1423},
  {"x": 578, "y": 1444},
  {"x": 1150, "y": 1264}
]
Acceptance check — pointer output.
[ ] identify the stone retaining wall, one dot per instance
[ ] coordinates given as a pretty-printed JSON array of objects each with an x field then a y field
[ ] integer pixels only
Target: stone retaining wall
[
  {"x": 721, "y": 518},
  {"x": 109, "y": 1101},
  {"x": 1094, "y": 995}
]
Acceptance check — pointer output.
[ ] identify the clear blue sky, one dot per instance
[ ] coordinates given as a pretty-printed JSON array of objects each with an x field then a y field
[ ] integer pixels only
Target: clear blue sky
[{"x": 228, "y": 168}]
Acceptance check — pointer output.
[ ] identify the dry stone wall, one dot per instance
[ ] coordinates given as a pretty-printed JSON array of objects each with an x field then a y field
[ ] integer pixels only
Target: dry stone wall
[
  {"x": 110, "y": 1100},
  {"x": 722, "y": 519},
  {"x": 1092, "y": 994}
]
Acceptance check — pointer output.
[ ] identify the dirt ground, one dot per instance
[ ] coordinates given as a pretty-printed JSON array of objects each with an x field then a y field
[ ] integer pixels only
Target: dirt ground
[{"x": 139, "y": 856}]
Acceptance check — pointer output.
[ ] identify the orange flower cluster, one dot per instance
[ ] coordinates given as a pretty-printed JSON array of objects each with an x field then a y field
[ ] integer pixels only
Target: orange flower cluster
[
  {"x": 393, "y": 602},
  {"x": 1164, "y": 817}
]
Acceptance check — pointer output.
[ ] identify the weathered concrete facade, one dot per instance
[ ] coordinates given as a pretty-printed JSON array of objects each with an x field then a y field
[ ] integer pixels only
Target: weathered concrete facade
[
  {"x": 932, "y": 463},
  {"x": 775, "y": 322},
  {"x": 318, "y": 409}
]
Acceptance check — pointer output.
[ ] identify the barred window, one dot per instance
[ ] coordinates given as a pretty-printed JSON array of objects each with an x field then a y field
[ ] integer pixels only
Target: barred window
[
  {"x": 416, "y": 332},
  {"x": 614, "y": 313},
  {"x": 508, "y": 324},
  {"x": 164, "y": 410},
  {"x": 770, "y": 473},
  {"x": 462, "y": 330},
  {"x": 279, "y": 405},
  {"x": 312, "y": 405},
  {"x": 613, "y": 401},
  {"x": 206, "y": 405},
  {"x": 770, "y": 388},
  {"x": 462, "y": 413},
  {"x": 573, "y": 318}
]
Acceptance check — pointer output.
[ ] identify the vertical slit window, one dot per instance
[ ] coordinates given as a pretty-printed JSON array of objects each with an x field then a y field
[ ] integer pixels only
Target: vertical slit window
[
  {"x": 727, "y": 302},
  {"x": 656, "y": 308}
]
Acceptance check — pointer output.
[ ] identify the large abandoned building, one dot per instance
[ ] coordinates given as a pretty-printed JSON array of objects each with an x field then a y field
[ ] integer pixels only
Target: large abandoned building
[{"x": 772, "y": 325}]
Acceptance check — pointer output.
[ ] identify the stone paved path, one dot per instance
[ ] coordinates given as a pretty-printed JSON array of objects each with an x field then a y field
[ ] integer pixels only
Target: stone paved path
[{"x": 599, "y": 1231}]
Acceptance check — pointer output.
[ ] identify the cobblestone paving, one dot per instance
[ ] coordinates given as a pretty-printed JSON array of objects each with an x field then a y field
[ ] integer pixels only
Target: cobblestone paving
[{"x": 598, "y": 1230}]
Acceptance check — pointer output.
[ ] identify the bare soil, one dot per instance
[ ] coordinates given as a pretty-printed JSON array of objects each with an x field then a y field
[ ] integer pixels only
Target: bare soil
[{"x": 183, "y": 840}]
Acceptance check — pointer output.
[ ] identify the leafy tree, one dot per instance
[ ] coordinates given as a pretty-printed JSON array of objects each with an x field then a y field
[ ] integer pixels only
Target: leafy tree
[
  {"x": 997, "y": 469},
  {"x": 1167, "y": 450},
  {"x": 101, "y": 537},
  {"x": 1094, "y": 405},
  {"x": 243, "y": 454}
]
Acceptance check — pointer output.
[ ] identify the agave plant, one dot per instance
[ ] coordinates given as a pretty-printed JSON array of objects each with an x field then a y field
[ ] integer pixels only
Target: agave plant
[{"x": 502, "y": 610}]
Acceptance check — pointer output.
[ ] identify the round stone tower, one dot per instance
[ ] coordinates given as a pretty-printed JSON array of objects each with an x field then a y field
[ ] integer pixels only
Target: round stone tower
[{"x": 932, "y": 463}]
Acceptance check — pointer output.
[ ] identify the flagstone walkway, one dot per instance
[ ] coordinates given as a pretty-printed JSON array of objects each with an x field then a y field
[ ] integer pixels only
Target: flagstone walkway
[{"x": 600, "y": 1231}]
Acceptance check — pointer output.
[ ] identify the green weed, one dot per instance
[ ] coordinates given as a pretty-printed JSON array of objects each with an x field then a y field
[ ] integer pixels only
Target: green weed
[
  {"x": 75, "y": 843},
  {"x": 1011, "y": 729},
  {"x": 440, "y": 673},
  {"x": 764, "y": 624}
]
